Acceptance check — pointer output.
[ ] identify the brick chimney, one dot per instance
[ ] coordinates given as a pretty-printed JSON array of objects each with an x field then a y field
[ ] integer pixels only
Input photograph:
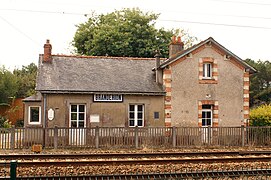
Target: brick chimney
[
  {"x": 175, "y": 46},
  {"x": 47, "y": 56}
]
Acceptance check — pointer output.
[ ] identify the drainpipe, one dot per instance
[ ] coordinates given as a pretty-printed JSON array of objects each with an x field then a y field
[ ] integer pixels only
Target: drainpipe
[
  {"x": 44, "y": 110},
  {"x": 157, "y": 71},
  {"x": 44, "y": 119}
]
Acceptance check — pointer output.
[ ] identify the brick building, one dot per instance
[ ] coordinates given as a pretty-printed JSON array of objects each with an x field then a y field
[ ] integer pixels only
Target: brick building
[{"x": 205, "y": 85}]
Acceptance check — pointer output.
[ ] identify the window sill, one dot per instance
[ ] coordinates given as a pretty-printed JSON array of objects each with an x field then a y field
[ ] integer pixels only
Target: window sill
[{"x": 208, "y": 81}]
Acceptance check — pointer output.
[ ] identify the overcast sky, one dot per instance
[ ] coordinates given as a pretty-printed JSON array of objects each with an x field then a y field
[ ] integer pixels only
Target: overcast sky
[{"x": 242, "y": 26}]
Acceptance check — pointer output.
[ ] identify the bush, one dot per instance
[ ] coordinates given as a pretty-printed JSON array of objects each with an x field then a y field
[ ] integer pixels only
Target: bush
[
  {"x": 4, "y": 122},
  {"x": 261, "y": 116},
  {"x": 19, "y": 123}
]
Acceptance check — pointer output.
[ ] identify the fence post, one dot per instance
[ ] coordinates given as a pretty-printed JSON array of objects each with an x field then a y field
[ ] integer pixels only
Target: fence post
[
  {"x": 209, "y": 135},
  {"x": 136, "y": 137},
  {"x": 243, "y": 135},
  {"x": 12, "y": 138},
  {"x": 55, "y": 137},
  {"x": 13, "y": 168},
  {"x": 97, "y": 137},
  {"x": 174, "y": 136}
]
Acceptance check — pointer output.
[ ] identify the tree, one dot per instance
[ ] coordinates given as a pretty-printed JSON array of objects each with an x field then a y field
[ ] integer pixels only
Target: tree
[
  {"x": 26, "y": 79},
  {"x": 8, "y": 86},
  {"x": 128, "y": 32},
  {"x": 260, "y": 83}
]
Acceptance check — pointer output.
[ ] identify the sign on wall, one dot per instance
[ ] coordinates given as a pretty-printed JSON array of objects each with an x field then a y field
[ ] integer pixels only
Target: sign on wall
[
  {"x": 107, "y": 97},
  {"x": 94, "y": 118},
  {"x": 51, "y": 114}
]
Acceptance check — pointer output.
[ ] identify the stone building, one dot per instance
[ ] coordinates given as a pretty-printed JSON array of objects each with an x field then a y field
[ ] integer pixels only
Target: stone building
[{"x": 205, "y": 85}]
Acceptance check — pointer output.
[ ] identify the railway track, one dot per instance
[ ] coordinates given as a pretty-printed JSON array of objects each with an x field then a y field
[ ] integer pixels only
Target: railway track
[
  {"x": 131, "y": 155},
  {"x": 262, "y": 173},
  {"x": 27, "y": 160}
]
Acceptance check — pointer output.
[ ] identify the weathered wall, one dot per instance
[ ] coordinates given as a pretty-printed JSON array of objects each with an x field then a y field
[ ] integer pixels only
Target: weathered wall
[
  {"x": 111, "y": 114},
  {"x": 186, "y": 91}
]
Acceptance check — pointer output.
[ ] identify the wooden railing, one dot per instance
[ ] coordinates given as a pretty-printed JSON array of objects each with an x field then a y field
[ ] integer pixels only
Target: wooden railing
[{"x": 124, "y": 137}]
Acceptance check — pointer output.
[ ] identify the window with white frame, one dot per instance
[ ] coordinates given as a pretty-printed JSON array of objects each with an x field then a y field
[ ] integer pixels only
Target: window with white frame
[
  {"x": 207, "y": 70},
  {"x": 77, "y": 115},
  {"x": 207, "y": 115},
  {"x": 34, "y": 113},
  {"x": 136, "y": 115}
]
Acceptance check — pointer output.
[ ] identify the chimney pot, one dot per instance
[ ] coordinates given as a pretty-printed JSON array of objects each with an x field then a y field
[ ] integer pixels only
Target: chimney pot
[{"x": 175, "y": 46}]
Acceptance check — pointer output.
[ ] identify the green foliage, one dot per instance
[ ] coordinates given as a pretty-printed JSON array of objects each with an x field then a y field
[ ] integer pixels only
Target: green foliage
[
  {"x": 128, "y": 32},
  {"x": 260, "y": 83},
  {"x": 4, "y": 123},
  {"x": 8, "y": 86},
  {"x": 261, "y": 116},
  {"x": 19, "y": 123},
  {"x": 26, "y": 79}
]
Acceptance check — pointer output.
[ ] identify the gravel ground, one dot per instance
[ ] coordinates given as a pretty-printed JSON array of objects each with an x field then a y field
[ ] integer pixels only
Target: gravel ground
[
  {"x": 128, "y": 169},
  {"x": 80, "y": 150},
  {"x": 139, "y": 169}
]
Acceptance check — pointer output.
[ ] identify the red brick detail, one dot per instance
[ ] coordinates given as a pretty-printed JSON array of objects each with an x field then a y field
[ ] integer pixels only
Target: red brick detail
[
  {"x": 167, "y": 71},
  {"x": 178, "y": 61},
  {"x": 167, "y": 80},
  {"x": 218, "y": 50},
  {"x": 246, "y": 107},
  {"x": 168, "y": 124},
  {"x": 200, "y": 124},
  {"x": 246, "y": 74},
  {"x": 208, "y": 81},
  {"x": 246, "y": 99},
  {"x": 168, "y": 115},
  {"x": 207, "y": 60},
  {"x": 168, "y": 89},
  {"x": 210, "y": 102},
  {"x": 215, "y": 116},
  {"x": 214, "y": 74},
  {"x": 215, "y": 124},
  {"x": 236, "y": 63},
  {"x": 215, "y": 107},
  {"x": 200, "y": 107},
  {"x": 200, "y": 116},
  {"x": 246, "y": 83},
  {"x": 246, "y": 91},
  {"x": 167, "y": 106},
  {"x": 198, "y": 49},
  {"x": 168, "y": 98}
]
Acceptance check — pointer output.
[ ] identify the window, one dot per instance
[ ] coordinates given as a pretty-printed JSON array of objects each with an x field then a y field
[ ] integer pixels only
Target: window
[
  {"x": 207, "y": 70},
  {"x": 207, "y": 115},
  {"x": 156, "y": 115},
  {"x": 77, "y": 115},
  {"x": 34, "y": 115},
  {"x": 136, "y": 115}
]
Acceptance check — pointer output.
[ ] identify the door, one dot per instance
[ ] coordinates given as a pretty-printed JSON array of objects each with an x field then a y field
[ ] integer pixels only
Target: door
[
  {"x": 77, "y": 134},
  {"x": 207, "y": 119}
]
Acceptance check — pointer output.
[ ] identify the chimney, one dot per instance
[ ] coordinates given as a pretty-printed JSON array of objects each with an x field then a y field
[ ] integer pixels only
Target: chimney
[
  {"x": 175, "y": 46},
  {"x": 157, "y": 58},
  {"x": 158, "y": 71},
  {"x": 47, "y": 56}
]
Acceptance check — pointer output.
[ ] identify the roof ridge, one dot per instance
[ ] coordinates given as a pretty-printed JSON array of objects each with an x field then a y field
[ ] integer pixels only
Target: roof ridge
[{"x": 105, "y": 57}]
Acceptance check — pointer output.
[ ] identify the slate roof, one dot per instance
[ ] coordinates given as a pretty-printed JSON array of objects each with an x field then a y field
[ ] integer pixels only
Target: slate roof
[
  {"x": 74, "y": 74},
  {"x": 34, "y": 98},
  {"x": 210, "y": 39}
]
